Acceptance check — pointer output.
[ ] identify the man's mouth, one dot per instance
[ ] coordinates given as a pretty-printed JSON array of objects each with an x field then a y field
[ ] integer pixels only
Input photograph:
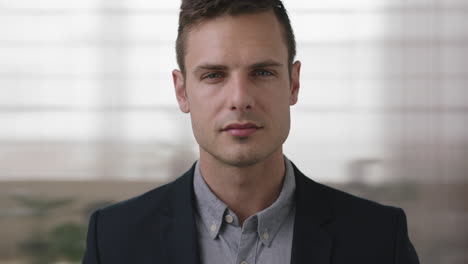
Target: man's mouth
[{"x": 241, "y": 129}]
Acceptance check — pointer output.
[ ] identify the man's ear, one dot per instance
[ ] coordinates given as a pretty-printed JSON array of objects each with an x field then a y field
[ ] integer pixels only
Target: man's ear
[
  {"x": 181, "y": 93},
  {"x": 295, "y": 83}
]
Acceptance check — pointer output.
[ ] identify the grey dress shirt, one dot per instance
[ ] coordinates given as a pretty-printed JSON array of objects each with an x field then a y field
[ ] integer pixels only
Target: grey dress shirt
[{"x": 264, "y": 238}]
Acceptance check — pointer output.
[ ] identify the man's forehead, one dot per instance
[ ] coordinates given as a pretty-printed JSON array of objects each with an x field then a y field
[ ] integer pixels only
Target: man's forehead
[{"x": 235, "y": 42}]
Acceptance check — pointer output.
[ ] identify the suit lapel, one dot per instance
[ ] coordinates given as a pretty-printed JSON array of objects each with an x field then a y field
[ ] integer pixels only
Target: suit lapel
[
  {"x": 311, "y": 242},
  {"x": 180, "y": 231}
]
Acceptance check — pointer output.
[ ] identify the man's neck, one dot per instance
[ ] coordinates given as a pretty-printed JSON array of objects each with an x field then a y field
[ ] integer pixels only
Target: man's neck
[{"x": 245, "y": 190}]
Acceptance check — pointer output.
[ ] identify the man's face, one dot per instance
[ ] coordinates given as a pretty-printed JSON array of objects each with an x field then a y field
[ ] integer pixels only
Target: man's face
[{"x": 237, "y": 87}]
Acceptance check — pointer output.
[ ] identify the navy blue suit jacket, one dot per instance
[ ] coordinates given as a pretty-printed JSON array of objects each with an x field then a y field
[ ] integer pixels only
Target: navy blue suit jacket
[{"x": 331, "y": 227}]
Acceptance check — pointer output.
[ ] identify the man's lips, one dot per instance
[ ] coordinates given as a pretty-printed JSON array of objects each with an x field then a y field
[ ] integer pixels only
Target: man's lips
[{"x": 241, "y": 129}]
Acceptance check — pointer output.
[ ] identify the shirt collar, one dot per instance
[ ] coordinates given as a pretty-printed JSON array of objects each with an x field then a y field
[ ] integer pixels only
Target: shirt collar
[{"x": 268, "y": 221}]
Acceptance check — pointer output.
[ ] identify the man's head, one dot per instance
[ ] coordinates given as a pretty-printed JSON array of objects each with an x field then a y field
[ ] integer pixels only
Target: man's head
[
  {"x": 238, "y": 85},
  {"x": 193, "y": 12}
]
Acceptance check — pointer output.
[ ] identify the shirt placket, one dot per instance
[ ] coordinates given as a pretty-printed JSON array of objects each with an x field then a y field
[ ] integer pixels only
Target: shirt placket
[
  {"x": 248, "y": 243},
  {"x": 247, "y": 248}
]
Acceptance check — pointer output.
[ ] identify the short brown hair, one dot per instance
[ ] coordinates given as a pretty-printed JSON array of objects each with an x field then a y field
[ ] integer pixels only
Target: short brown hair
[{"x": 193, "y": 12}]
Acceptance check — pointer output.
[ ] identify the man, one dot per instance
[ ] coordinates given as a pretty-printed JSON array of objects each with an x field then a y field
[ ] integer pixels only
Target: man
[{"x": 243, "y": 201}]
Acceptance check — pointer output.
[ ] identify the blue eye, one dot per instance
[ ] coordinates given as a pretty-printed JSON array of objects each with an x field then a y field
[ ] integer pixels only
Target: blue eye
[{"x": 262, "y": 73}]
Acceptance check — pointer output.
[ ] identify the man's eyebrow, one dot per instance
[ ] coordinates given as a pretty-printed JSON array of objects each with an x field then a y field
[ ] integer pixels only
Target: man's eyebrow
[
  {"x": 208, "y": 66},
  {"x": 267, "y": 63},
  {"x": 220, "y": 67}
]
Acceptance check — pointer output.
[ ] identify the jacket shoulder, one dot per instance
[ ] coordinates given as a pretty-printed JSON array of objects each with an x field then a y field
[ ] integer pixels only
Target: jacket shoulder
[
  {"x": 345, "y": 203},
  {"x": 152, "y": 199},
  {"x": 130, "y": 231},
  {"x": 362, "y": 223},
  {"x": 149, "y": 205},
  {"x": 341, "y": 204}
]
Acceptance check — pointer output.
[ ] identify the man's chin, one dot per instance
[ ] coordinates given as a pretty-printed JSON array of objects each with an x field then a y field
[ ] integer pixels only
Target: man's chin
[
  {"x": 242, "y": 163},
  {"x": 240, "y": 160},
  {"x": 238, "y": 157}
]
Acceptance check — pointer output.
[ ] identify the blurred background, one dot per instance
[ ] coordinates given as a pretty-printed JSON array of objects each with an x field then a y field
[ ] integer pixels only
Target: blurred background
[{"x": 88, "y": 116}]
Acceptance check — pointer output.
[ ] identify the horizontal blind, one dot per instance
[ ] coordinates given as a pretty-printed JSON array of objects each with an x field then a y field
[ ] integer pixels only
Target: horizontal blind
[{"x": 390, "y": 73}]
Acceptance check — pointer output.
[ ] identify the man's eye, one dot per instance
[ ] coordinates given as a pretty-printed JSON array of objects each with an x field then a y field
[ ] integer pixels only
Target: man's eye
[
  {"x": 214, "y": 75},
  {"x": 262, "y": 73}
]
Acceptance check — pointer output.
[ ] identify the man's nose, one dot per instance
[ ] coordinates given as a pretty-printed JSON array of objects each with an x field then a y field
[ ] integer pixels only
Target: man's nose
[{"x": 241, "y": 94}]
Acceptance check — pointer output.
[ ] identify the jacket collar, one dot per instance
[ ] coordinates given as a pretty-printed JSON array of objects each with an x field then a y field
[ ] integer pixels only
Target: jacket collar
[
  {"x": 311, "y": 242},
  {"x": 181, "y": 232}
]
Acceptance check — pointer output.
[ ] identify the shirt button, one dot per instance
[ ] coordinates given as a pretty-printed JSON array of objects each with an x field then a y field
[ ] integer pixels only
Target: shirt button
[
  {"x": 229, "y": 218},
  {"x": 266, "y": 236},
  {"x": 213, "y": 228},
  {"x": 244, "y": 262}
]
